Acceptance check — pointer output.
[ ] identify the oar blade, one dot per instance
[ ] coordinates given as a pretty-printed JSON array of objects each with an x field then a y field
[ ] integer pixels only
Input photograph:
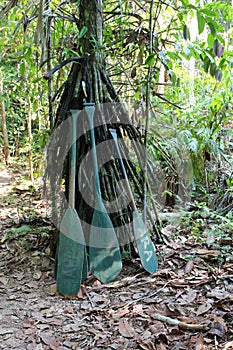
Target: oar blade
[
  {"x": 144, "y": 244},
  {"x": 70, "y": 255},
  {"x": 104, "y": 251}
]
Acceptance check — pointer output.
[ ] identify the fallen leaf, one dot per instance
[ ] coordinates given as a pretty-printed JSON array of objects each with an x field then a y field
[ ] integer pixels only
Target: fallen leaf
[
  {"x": 126, "y": 330},
  {"x": 53, "y": 289},
  {"x": 55, "y": 346},
  {"x": 189, "y": 266},
  {"x": 219, "y": 327},
  {"x": 82, "y": 292},
  {"x": 199, "y": 345},
  {"x": 203, "y": 309},
  {"x": 69, "y": 310},
  {"x": 209, "y": 254},
  {"x": 137, "y": 310},
  {"x": 228, "y": 345},
  {"x": 121, "y": 313},
  {"x": 179, "y": 283},
  {"x": 146, "y": 345},
  {"x": 189, "y": 297},
  {"x": 47, "y": 338},
  {"x": 37, "y": 275},
  {"x": 161, "y": 346},
  {"x": 4, "y": 280}
]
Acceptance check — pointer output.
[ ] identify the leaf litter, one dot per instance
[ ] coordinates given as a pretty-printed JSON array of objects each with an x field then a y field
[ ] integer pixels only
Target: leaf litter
[{"x": 186, "y": 304}]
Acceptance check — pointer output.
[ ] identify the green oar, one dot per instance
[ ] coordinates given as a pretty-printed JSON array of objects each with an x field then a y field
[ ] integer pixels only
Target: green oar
[
  {"x": 104, "y": 252},
  {"x": 143, "y": 241},
  {"x": 71, "y": 254}
]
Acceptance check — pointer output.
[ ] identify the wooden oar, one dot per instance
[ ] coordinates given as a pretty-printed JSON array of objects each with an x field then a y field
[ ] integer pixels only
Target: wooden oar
[
  {"x": 71, "y": 255},
  {"x": 143, "y": 241},
  {"x": 104, "y": 252}
]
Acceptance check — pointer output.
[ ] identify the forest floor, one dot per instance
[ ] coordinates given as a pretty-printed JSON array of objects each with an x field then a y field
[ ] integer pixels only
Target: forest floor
[{"x": 186, "y": 304}]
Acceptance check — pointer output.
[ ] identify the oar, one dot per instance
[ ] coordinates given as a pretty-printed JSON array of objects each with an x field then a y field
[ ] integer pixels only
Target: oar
[
  {"x": 71, "y": 255},
  {"x": 104, "y": 252},
  {"x": 143, "y": 241}
]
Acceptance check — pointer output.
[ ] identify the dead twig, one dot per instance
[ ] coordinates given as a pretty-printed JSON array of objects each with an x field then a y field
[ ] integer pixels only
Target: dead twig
[{"x": 182, "y": 325}]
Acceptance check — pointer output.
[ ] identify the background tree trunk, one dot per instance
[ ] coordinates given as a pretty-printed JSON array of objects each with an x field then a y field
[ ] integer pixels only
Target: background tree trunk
[{"x": 4, "y": 125}]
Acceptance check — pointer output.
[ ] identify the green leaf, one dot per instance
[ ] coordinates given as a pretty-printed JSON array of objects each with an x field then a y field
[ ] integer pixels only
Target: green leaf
[
  {"x": 201, "y": 22},
  {"x": 218, "y": 75},
  {"x": 209, "y": 12},
  {"x": 213, "y": 69},
  {"x": 150, "y": 60},
  {"x": 210, "y": 57},
  {"x": 22, "y": 68},
  {"x": 212, "y": 28},
  {"x": 82, "y": 32},
  {"x": 210, "y": 40},
  {"x": 185, "y": 2},
  {"x": 222, "y": 63},
  {"x": 206, "y": 64}
]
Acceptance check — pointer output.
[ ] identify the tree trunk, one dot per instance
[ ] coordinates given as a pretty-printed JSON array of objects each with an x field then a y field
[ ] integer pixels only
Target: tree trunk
[
  {"x": 88, "y": 81},
  {"x": 30, "y": 139},
  {"x": 4, "y": 125}
]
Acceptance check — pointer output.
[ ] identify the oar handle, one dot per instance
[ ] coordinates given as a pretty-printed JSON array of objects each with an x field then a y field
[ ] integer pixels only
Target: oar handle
[
  {"x": 72, "y": 164},
  {"x": 114, "y": 136},
  {"x": 90, "y": 110}
]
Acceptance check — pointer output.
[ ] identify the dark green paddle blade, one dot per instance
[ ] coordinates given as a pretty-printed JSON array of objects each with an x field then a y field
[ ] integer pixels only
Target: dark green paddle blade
[
  {"x": 104, "y": 252},
  {"x": 71, "y": 262},
  {"x": 144, "y": 244},
  {"x": 85, "y": 265},
  {"x": 70, "y": 255}
]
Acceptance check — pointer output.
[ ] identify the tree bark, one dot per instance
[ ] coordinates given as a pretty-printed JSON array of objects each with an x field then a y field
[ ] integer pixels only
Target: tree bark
[
  {"x": 4, "y": 125},
  {"x": 90, "y": 13},
  {"x": 30, "y": 139}
]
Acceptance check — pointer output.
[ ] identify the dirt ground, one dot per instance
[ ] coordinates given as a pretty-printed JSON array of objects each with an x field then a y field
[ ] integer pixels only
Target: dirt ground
[{"x": 186, "y": 304}]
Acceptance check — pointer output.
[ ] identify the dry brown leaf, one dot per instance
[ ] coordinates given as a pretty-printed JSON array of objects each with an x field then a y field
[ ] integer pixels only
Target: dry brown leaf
[
  {"x": 209, "y": 254},
  {"x": 198, "y": 282},
  {"x": 4, "y": 280},
  {"x": 37, "y": 275},
  {"x": 166, "y": 234},
  {"x": 179, "y": 283},
  {"x": 199, "y": 345},
  {"x": 189, "y": 297},
  {"x": 228, "y": 345},
  {"x": 53, "y": 289},
  {"x": 219, "y": 327},
  {"x": 69, "y": 310},
  {"x": 55, "y": 346},
  {"x": 138, "y": 310},
  {"x": 120, "y": 314},
  {"x": 203, "y": 308},
  {"x": 126, "y": 330},
  {"x": 47, "y": 338},
  {"x": 146, "y": 345},
  {"x": 82, "y": 292},
  {"x": 189, "y": 266},
  {"x": 161, "y": 346},
  {"x": 145, "y": 342}
]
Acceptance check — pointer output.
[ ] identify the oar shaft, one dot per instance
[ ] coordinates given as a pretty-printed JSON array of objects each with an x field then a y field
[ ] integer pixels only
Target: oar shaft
[
  {"x": 73, "y": 137},
  {"x": 90, "y": 109},
  {"x": 114, "y": 135}
]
